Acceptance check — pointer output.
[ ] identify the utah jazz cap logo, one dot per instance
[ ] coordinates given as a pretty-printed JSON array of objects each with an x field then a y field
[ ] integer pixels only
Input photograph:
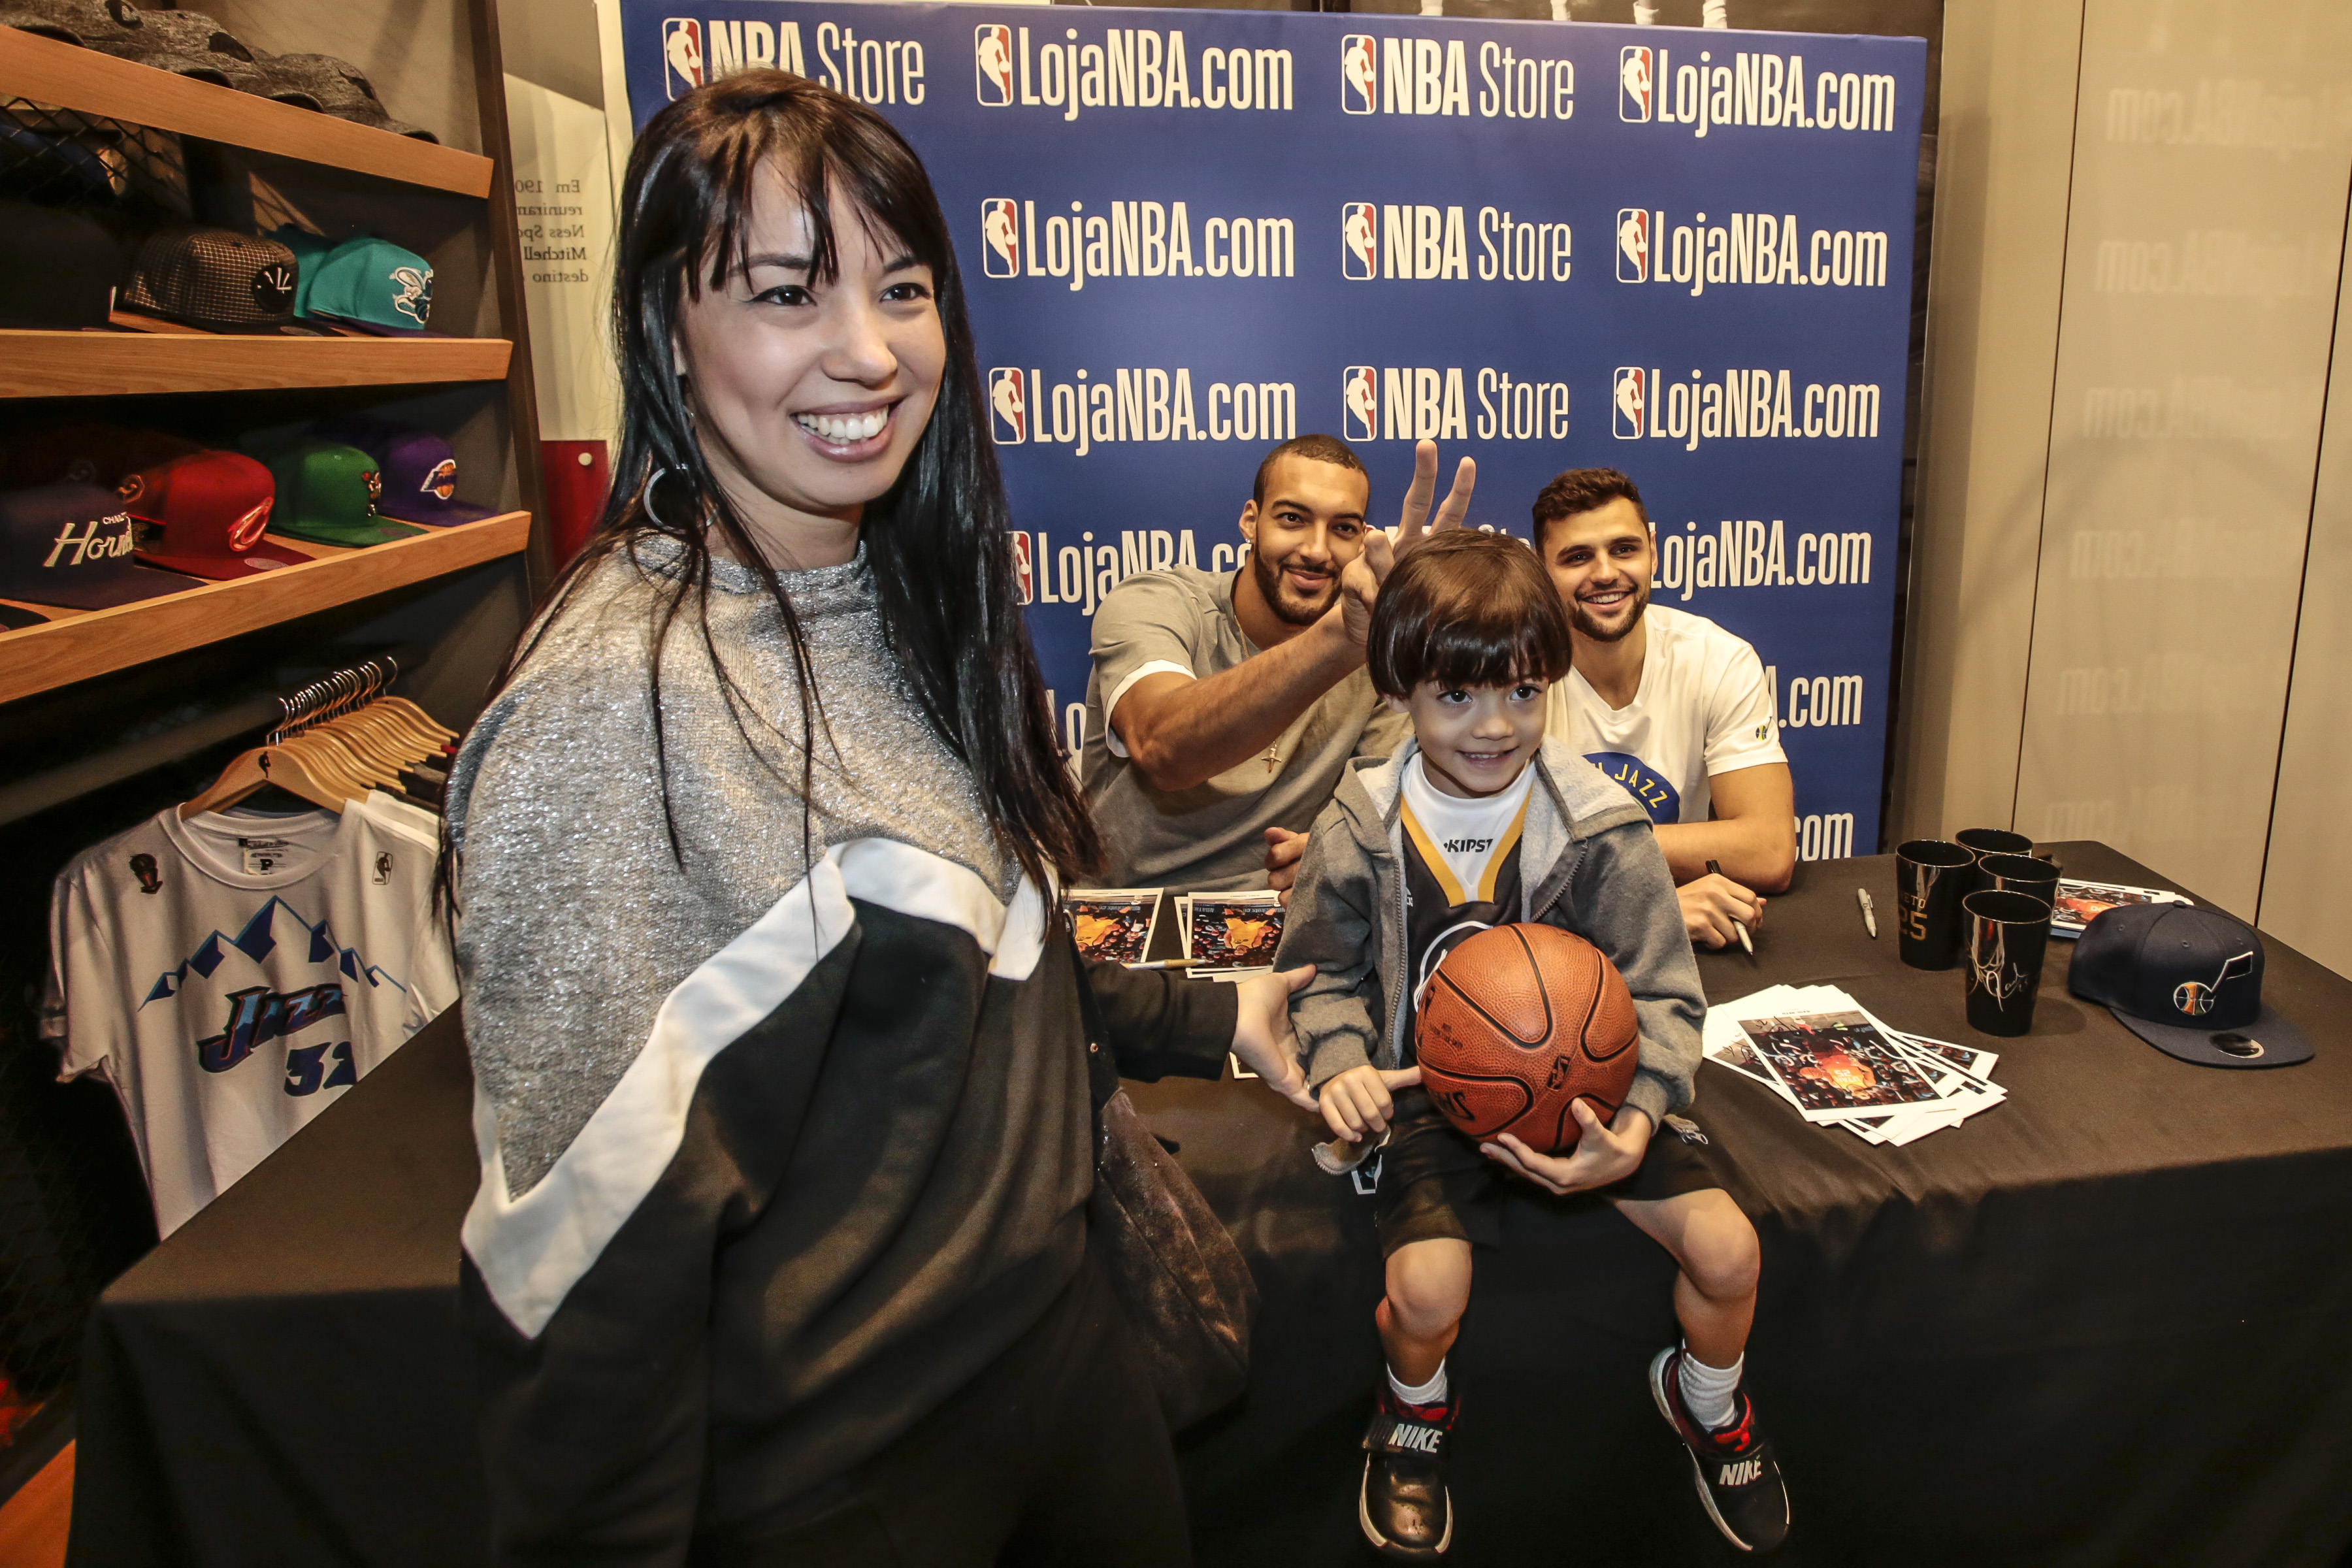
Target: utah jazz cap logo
[
  {"x": 2196, "y": 998},
  {"x": 1633, "y": 245},
  {"x": 1360, "y": 241},
  {"x": 991, "y": 59},
  {"x": 1629, "y": 402},
  {"x": 1000, "y": 232},
  {"x": 1636, "y": 93},
  {"x": 1008, "y": 406},
  {"x": 681, "y": 55},
  {"x": 1359, "y": 75},
  {"x": 1359, "y": 394}
]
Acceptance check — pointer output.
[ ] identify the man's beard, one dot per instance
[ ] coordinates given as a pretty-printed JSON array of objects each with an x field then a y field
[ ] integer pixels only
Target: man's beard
[
  {"x": 1270, "y": 588},
  {"x": 1581, "y": 619}
]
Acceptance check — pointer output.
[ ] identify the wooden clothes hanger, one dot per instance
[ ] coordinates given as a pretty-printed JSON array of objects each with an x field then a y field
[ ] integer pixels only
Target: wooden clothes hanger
[{"x": 255, "y": 770}]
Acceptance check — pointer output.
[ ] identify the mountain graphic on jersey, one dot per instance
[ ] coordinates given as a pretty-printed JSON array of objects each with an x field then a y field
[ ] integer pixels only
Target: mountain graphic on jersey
[{"x": 258, "y": 939}]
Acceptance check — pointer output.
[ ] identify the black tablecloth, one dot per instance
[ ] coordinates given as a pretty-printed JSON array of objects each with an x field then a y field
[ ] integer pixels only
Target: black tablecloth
[{"x": 2102, "y": 1324}]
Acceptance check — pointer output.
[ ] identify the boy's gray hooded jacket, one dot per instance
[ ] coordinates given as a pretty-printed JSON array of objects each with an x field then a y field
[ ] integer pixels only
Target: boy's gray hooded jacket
[{"x": 1587, "y": 863}]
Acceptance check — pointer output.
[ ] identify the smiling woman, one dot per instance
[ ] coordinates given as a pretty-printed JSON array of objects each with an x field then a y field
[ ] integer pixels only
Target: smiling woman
[{"x": 783, "y": 1066}]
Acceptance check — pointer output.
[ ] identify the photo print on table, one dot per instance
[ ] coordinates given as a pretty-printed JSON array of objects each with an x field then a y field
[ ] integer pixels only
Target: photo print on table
[
  {"x": 2080, "y": 904},
  {"x": 1229, "y": 932},
  {"x": 1113, "y": 923},
  {"x": 1835, "y": 1063}
]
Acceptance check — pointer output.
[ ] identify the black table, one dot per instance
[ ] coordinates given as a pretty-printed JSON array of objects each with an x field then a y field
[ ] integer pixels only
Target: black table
[{"x": 2102, "y": 1324}]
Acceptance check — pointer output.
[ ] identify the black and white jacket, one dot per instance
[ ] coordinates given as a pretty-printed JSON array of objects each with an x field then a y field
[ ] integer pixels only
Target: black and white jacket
[{"x": 785, "y": 1130}]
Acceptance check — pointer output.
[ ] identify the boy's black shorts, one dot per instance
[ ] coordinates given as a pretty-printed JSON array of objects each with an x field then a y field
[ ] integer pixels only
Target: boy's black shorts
[{"x": 1436, "y": 1184}]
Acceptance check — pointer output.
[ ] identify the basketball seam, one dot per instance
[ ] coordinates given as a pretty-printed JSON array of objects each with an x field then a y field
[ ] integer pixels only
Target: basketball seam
[{"x": 1500, "y": 1028}]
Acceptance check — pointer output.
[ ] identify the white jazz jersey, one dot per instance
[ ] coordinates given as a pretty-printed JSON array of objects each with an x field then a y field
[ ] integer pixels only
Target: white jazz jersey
[
  {"x": 1702, "y": 708},
  {"x": 232, "y": 974}
]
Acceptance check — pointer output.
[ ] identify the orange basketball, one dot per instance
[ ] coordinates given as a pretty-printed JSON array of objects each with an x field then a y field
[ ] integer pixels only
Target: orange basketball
[{"x": 1518, "y": 1024}]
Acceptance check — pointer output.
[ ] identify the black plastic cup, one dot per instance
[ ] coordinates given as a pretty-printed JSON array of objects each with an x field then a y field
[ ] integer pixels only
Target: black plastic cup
[
  {"x": 1930, "y": 878},
  {"x": 2007, "y": 935},
  {"x": 1983, "y": 841},
  {"x": 2020, "y": 874}
]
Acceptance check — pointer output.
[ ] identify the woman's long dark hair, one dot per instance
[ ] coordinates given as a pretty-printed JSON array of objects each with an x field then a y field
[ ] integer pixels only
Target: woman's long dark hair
[{"x": 937, "y": 544}]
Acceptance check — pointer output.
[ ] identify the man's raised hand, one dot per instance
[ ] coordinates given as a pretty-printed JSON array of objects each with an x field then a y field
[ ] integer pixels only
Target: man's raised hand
[{"x": 1359, "y": 583}]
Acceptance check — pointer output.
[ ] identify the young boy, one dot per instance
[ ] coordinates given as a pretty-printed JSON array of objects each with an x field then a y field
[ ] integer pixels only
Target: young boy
[{"x": 1477, "y": 822}]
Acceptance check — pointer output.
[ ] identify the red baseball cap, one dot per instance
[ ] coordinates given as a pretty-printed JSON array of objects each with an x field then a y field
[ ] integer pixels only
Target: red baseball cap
[{"x": 211, "y": 508}]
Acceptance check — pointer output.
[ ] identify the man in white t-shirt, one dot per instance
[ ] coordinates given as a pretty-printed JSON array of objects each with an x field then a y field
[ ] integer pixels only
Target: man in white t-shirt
[{"x": 1668, "y": 704}]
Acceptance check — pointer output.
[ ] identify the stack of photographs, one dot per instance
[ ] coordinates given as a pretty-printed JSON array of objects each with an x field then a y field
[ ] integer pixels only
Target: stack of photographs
[
  {"x": 1227, "y": 935},
  {"x": 1113, "y": 923},
  {"x": 1841, "y": 1065},
  {"x": 2080, "y": 904}
]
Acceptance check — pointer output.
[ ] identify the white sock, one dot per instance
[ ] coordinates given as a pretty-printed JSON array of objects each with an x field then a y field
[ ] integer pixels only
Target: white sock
[
  {"x": 1430, "y": 1392},
  {"x": 1707, "y": 1390}
]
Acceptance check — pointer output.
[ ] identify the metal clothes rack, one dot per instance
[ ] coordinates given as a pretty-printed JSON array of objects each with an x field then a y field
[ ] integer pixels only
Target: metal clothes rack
[{"x": 338, "y": 691}]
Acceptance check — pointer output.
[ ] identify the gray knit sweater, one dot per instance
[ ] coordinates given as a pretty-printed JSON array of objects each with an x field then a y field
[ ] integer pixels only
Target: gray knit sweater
[{"x": 785, "y": 1135}]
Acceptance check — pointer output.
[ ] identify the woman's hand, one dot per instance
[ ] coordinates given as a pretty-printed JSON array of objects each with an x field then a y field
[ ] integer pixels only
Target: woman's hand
[{"x": 1262, "y": 1033}]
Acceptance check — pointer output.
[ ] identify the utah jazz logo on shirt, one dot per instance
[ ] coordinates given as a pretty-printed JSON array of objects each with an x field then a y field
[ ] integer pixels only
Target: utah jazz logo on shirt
[
  {"x": 1659, "y": 798},
  {"x": 258, "y": 1015}
]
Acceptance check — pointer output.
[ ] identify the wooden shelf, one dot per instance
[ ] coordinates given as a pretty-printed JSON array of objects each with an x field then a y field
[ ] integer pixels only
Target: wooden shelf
[
  {"x": 100, "y": 364},
  {"x": 88, "y": 82},
  {"x": 98, "y": 642}
]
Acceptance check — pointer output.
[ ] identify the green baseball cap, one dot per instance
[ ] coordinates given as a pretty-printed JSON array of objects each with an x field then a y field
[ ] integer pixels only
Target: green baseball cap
[
  {"x": 326, "y": 494},
  {"x": 364, "y": 282}
]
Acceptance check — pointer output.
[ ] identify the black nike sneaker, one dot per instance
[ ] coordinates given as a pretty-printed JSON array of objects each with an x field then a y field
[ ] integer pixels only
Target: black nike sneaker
[
  {"x": 1733, "y": 1468},
  {"x": 1404, "y": 1506}
]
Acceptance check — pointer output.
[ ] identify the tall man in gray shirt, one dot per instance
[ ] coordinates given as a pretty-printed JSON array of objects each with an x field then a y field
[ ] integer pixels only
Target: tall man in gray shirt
[{"x": 1222, "y": 707}]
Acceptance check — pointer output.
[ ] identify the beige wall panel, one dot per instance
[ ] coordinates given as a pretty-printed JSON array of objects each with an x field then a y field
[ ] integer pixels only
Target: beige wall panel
[
  {"x": 2005, "y": 136},
  {"x": 2309, "y": 864},
  {"x": 2213, "y": 144}
]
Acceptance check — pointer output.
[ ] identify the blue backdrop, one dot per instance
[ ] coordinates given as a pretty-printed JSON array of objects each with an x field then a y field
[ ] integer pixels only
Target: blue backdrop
[{"x": 1190, "y": 234}]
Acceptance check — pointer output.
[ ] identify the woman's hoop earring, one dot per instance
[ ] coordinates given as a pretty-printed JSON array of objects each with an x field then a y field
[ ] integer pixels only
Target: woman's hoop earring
[{"x": 645, "y": 497}]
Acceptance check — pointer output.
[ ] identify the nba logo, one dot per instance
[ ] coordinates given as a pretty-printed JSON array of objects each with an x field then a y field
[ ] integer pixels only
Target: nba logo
[
  {"x": 1360, "y": 241},
  {"x": 991, "y": 58},
  {"x": 1008, "y": 406},
  {"x": 1359, "y": 75},
  {"x": 681, "y": 55},
  {"x": 1021, "y": 566},
  {"x": 1633, "y": 245},
  {"x": 1359, "y": 391},
  {"x": 1630, "y": 402},
  {"x": 1000, "y": 228},
  {"x": 1636, "y": 93}
]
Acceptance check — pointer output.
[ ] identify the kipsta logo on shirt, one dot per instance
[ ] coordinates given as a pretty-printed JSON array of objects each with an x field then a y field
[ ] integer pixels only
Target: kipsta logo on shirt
[
  {"x": 1359, "y": 75},
  {"x": 1008, "y": 406},
  {"x": 1360, "y": 241},
  {"x": 1636, "y": 88},
  {"x": 681, "y": 55},
  {"x": 1638, "y": 779},
  {"x": 991, "y": 56},
  {"x": 999, "y": 232},
  {"x": 1633, "y": 245},
  {"x": 1359, "y": 394},
  {"x": 1629, "y": 403}
]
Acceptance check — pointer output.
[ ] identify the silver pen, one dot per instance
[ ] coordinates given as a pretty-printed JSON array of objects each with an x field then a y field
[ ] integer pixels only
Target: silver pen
[{"x": 1869, "y": 913}]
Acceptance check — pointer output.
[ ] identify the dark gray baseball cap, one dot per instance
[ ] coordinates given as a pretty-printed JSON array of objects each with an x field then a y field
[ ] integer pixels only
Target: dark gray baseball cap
[{"x": 2188, "y": 981}]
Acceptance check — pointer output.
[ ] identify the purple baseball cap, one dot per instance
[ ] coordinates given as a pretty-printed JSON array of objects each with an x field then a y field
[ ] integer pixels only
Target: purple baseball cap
[
  {"x": 70, "y": 545},
  {"x": 420, "y": 471}
]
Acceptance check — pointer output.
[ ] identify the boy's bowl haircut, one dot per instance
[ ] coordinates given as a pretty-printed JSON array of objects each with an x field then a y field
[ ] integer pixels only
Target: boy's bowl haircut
[{"x": 1467, "y": 609}]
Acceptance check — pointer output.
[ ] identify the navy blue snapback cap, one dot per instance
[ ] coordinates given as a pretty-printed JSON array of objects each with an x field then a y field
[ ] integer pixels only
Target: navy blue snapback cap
[{"x": 2188, "y": 981}]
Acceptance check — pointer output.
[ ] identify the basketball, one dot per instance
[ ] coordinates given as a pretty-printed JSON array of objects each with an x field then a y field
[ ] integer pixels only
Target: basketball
[{"x": 1518, "y": 1024}]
